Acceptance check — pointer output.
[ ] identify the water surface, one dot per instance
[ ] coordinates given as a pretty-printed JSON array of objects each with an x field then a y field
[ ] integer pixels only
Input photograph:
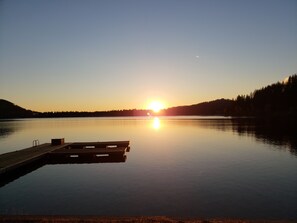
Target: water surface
[{"x": 178, "y": 166}]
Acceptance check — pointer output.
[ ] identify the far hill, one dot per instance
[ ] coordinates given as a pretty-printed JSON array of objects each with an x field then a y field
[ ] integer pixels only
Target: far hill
[
  {"x": 10, "y": 110},
  {"x": 216, "y": 107}
]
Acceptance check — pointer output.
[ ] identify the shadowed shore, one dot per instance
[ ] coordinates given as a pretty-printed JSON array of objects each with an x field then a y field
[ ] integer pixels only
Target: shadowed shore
[{"x": 153, "y": 219}]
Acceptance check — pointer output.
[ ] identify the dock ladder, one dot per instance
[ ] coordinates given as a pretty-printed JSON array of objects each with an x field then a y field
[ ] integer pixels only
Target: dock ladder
[{"x": 35, "y": 143}]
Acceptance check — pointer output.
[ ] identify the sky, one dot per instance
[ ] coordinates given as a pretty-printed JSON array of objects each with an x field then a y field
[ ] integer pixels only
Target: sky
[{"x": 75, "y": 55}]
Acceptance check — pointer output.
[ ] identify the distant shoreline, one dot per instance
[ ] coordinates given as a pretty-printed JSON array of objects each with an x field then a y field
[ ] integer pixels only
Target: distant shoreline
[
  {"x": 273, "y": 101},
  {"x": 280, "y": 118}
]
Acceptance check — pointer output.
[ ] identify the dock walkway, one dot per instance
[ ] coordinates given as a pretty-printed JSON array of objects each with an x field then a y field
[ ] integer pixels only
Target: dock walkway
[{"x": 13, "y": 160}]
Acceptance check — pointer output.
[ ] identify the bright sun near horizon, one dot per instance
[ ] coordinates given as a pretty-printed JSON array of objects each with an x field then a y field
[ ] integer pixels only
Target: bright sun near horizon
[{"x": 156, "y": 106}]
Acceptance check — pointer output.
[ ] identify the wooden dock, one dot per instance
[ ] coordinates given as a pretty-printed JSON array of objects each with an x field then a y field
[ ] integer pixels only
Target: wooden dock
[{"x": 10, "y": 162}]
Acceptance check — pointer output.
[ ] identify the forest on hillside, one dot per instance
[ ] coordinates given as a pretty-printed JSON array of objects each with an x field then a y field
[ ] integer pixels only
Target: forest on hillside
[{"x": 276, "y": 99}]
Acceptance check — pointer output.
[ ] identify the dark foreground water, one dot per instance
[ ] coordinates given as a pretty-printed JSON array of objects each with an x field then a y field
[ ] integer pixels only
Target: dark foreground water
[{"x": 188, "y": 167}]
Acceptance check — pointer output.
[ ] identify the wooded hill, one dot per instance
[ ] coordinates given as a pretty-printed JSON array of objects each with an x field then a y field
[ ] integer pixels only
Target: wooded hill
[
  {"x": 10, "y": 110},
  {"x": 278, "y": 99}
]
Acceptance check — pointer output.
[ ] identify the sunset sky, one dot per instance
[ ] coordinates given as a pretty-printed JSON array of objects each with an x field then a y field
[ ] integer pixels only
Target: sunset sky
[{"x": 62, "y": 55}]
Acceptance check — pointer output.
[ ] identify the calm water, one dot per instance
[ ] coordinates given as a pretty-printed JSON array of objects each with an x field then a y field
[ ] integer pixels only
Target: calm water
[{"x": 188, "y": 167}]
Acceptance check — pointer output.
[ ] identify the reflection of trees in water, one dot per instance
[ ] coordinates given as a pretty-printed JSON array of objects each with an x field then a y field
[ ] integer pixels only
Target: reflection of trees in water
[
  {"x": 5, "y": 131},
  {"x": 280, "y": 133},
  {"x": 7, "y": 128},
  {"x": 274, "y": 132}
]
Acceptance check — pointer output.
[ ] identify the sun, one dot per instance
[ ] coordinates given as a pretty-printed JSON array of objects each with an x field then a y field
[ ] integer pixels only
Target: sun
[{"x": 156, "y": 106}]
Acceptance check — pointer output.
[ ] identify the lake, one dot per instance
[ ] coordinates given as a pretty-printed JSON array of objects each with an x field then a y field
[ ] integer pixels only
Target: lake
[{"x": 205, "y": 167}]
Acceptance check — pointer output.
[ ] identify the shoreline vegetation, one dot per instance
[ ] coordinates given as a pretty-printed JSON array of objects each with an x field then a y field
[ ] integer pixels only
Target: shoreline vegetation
[
  {"x": 277, "y": 101},
  {"x": 140, "y": 219}
]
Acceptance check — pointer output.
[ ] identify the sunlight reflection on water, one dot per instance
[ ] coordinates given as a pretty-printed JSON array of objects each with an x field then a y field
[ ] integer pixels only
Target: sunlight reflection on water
[{"x": 156, "y": 123}]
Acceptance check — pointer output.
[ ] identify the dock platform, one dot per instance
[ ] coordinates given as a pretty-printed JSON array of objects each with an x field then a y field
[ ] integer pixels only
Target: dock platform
[
  {"x": 93, "y": 149},
  {"x": 12, "y": 161}
]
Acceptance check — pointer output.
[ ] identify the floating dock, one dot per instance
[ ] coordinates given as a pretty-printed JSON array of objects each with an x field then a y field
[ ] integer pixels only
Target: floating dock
[
  {"x": 98, "y": 149},
  {"x": 75, "y": 152}
]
